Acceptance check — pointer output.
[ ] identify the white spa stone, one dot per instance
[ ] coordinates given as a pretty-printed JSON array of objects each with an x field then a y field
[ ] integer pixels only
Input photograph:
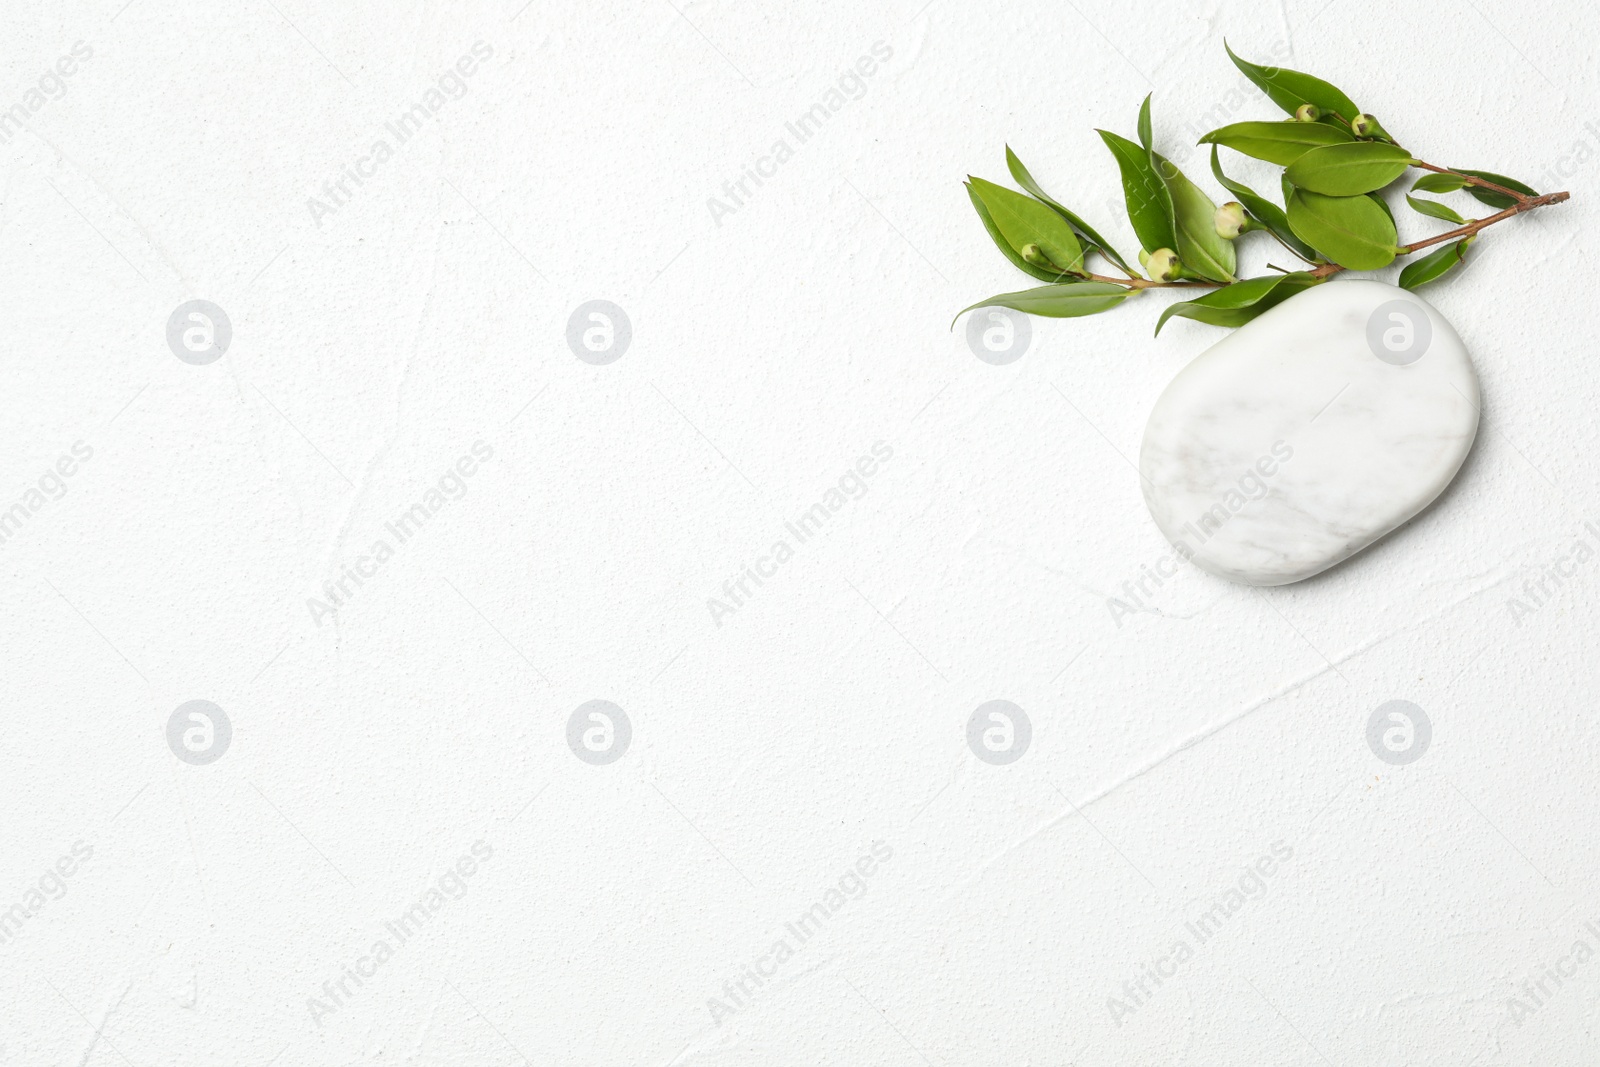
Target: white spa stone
[{"x": 1308, "y": 434}]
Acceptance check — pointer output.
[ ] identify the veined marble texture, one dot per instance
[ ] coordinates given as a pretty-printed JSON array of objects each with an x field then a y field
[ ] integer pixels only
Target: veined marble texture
[{"x": 1309, "y": 433}]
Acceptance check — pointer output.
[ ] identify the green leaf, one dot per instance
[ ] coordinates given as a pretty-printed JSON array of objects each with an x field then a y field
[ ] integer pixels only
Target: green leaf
[
  {"x": 1381, "y": 202},
  {"x": 1149, "y": 203},
  {"x": 1439, "y": 183},
  {"x": 1291, "y": 88},
  {"x": 1240, "y": 302},
  {"x": 1200, "y": 247},
  {"x": 1434, "y": 265},
  {"x": 1489, "y": 196},
  {"x": 1353, "y": 231},
  {"x": 1086, "y": 233},
  {"x": 1436, "y": 210},
  {"x": 1349, "y": 169},
  {"x": 1004, "y": 245},
  {"x": 1066, "y": 301},
  {"x": 1265, "y": 211},
  {"x": 1023, "y": 220},
  {"x": 1277, "y": 142}
]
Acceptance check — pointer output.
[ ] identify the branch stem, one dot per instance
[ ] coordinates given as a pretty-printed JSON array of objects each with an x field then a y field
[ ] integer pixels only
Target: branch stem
[
  {"x": 1145, "y": 283},
  {"x": 1523, "y": 202},
  {"x": 1470, "y": 180}
]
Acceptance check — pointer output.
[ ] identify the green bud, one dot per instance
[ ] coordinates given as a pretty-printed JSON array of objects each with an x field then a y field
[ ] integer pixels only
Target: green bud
[
  {"x": 1231, "y": 220},
  {"x": 1162, "y": 265},
  {"x": 1364, "y": 125},
  {"x": 1308, "y": 113},
  {"x": 1033, "y": 254}
]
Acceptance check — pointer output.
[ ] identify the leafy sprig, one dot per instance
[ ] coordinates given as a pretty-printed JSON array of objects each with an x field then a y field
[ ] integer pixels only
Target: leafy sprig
[{"x": 1336, "y": 160}]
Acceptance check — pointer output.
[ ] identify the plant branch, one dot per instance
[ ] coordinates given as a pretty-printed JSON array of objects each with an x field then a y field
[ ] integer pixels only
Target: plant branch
[
  {"x": 1470, "y": 180},
  {"x": 1526, "y": 203},
  {"x": 1145, "y": 283},
  {"x": 1327, "y": 270}
]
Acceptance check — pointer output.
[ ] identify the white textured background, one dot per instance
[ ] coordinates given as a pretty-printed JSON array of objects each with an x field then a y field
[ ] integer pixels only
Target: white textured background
[{"x": 769, "y": 352}]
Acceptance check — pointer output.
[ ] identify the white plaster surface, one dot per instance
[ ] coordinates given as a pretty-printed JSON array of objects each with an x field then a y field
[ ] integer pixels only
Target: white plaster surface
[{"x": 1174, "y": 740}]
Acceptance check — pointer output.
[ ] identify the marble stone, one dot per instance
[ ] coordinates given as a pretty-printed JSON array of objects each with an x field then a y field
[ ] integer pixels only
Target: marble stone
[{"x": 1308, "y": 434}]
